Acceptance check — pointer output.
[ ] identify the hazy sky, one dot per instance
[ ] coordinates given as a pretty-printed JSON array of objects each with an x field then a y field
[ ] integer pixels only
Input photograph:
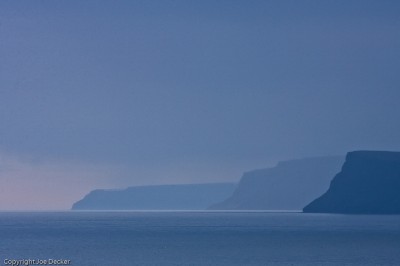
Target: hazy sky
[{"x": 116, "y": 93}]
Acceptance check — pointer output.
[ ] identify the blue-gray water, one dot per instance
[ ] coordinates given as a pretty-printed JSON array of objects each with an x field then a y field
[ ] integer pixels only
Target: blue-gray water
[{"x": 201, "y": 238}]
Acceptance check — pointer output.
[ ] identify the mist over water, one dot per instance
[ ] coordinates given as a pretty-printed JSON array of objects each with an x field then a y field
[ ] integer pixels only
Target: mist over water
[{"x": 98, "y": 95}]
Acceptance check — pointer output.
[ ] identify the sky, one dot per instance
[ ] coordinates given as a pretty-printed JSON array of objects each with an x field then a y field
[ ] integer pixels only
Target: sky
[{"x": 109, "y": 94}]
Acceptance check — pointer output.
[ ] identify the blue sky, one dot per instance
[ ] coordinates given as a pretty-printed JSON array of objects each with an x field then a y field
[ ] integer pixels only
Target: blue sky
[{"x": 149, "y": 92}]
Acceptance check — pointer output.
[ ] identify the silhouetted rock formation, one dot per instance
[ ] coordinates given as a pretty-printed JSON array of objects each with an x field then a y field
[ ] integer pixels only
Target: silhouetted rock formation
[
  {"x": 164, "y": 197},
  {"x": 369, "y": 183},
  {"x": 288, "y": 186}
]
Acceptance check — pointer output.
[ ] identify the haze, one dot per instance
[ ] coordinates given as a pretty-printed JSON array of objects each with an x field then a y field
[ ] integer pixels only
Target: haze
[{"x": 103, "y": 94}]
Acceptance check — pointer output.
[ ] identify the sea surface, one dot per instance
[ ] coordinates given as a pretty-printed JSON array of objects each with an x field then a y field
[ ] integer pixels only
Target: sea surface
[{"x": 199, "y": 238}]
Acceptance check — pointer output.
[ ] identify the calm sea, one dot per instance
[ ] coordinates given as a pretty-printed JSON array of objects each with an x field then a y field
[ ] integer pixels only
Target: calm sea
[{"x": 200, "y": 238}]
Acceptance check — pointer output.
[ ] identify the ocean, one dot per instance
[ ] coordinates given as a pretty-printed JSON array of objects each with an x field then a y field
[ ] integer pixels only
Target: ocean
[{"x": 198, "y": 238}]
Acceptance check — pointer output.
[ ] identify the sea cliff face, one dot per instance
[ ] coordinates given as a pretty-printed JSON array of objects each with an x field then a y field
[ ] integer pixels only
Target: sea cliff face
[
  {"x": 288, "y": 186},
  {"x": 369, "y": 183},
  {"x": 163, "y": 197}
]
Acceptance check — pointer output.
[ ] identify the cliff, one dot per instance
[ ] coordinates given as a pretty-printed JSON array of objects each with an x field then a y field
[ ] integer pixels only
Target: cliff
[
  {"x": 164, "y": 197},
  {"x": 369, "y": 183},
  {"x": 288, "y": 186}
]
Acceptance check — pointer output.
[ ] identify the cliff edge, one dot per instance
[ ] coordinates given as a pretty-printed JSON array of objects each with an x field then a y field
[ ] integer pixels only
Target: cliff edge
[
  {"x": 369, "y": 183},
  {"x": 290, "y": 185},
  {"x": 161, "y": 197}
]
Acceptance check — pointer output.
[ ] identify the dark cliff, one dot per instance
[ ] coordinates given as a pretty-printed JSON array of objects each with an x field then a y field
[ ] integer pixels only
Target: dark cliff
[
  {"x": 288, "y": 186},
  {"x": 369, "y": 183},
  {"x": 163, "y": 197}
]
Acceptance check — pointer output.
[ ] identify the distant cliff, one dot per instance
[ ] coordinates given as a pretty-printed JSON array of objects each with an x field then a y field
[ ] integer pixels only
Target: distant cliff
[
  {"x": 164, "y": 197},
  {"x": 288, "y": 186},
  {"x": 369, "y": 183}
]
